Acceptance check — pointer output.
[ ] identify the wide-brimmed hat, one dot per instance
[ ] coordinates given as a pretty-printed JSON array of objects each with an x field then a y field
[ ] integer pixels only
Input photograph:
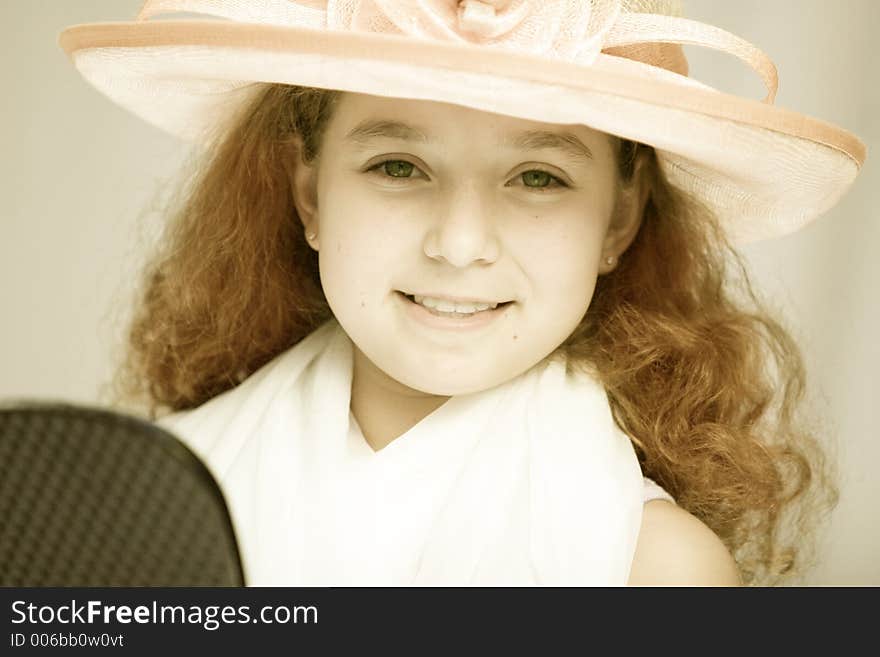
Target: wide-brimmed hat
[{"x": 613, "y": 65}]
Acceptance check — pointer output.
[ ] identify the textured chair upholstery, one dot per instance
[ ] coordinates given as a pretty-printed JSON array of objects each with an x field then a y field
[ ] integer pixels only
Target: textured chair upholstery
[{"x": 90, "y": 497}]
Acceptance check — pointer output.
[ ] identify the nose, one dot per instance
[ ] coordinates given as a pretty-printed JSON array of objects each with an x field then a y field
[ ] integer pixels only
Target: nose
[{"x": 465, "y": 230}]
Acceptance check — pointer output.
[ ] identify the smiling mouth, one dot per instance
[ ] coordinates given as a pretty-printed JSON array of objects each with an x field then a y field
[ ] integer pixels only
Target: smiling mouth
[{"x": 435, "y": 311}]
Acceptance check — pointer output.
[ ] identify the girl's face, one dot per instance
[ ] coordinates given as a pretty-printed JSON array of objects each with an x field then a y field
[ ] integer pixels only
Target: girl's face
[{"x": 414, "y": 199}]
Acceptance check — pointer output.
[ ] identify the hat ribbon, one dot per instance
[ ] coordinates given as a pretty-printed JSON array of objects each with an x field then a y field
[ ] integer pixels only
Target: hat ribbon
[{"x": 569, "y": 30}]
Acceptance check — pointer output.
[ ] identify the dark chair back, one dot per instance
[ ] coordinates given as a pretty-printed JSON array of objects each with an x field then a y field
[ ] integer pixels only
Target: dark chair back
[{"x": 90, "y": 497}]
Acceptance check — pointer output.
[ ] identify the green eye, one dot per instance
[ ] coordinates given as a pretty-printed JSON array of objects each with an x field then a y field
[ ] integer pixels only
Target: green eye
[
  {"x": 398, "y": 168},
  {"x": 537, "y": 178}
]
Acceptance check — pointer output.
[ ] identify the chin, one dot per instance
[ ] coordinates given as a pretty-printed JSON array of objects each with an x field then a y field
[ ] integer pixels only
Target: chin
[
  {"x": 449, "y": 390},
  {"x": 450, "y": 384}
]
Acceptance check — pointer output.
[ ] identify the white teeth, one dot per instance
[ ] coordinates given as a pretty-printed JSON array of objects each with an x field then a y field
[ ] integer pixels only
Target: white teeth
[{"x": 450, "y": 307}]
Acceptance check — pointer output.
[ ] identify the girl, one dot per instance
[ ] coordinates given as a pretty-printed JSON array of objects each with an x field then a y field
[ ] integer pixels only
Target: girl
[{"x": 450, "y": 296}]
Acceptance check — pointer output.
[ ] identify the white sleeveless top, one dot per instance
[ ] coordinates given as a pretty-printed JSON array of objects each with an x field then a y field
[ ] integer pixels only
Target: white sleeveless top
[
  {"x": 381, "y": 503},
  {"x": 653, "y": 491},
  {"x": 552, "y": 495}
]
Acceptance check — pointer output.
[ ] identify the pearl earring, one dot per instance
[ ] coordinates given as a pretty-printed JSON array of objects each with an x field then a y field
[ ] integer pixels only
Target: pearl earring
[
  {"x": 609, "y": 260},
  {"x": 311, "y": 236}
]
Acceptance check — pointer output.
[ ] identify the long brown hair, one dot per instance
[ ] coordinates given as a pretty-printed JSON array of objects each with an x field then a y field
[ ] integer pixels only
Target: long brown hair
[{"x": 699, "y": 374}]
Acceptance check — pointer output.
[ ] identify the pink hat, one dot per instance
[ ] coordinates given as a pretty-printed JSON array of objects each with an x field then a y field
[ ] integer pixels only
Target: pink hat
[{"x": 613, "y": 65}]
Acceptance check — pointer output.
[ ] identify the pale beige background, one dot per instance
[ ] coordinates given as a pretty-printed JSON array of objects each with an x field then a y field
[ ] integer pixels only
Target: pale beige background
[{"x": 78, "y": 173}]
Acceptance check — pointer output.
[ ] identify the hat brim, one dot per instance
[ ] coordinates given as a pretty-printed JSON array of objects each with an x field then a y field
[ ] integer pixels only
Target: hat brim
[{"x": 765, "y": 171}]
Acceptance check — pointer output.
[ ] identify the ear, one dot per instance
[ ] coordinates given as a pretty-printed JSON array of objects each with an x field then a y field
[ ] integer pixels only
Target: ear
[
  {"x": 304, "y": 187},
  {"x": 626, "y": 218}
]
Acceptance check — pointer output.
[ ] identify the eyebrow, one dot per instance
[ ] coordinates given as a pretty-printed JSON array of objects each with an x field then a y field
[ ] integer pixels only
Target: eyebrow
[{"x": 529, "y": 140}]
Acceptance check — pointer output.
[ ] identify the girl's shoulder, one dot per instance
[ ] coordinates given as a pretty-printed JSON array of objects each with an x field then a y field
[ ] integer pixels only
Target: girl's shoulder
[
  {"x": 653, "y": 491},
  {"x": 675, "y": 548}
]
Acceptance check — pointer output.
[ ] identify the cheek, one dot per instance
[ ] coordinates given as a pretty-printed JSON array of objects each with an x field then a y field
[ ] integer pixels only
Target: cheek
[
  {"x": 340, "y": 260},
  {"x": 357, "y": 253},
  {"x": 356, "y": 221},
  {"x": 564, "y": 261},
  {"x": 564, "y": 294}
]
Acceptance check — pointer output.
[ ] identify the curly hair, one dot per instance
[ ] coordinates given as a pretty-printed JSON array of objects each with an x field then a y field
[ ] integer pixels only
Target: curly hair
[{"x": 703, "y": 379}]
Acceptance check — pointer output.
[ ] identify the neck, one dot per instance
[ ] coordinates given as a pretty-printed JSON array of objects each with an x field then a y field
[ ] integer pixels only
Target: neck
[{"x": 385, "y": 408}]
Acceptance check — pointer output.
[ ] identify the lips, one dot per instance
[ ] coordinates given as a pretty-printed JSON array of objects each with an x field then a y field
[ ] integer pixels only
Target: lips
[
  {"x": 452, "y": 301},
  {"x": 460, "y": 307},
  {"x": 485, "y": 300}
]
